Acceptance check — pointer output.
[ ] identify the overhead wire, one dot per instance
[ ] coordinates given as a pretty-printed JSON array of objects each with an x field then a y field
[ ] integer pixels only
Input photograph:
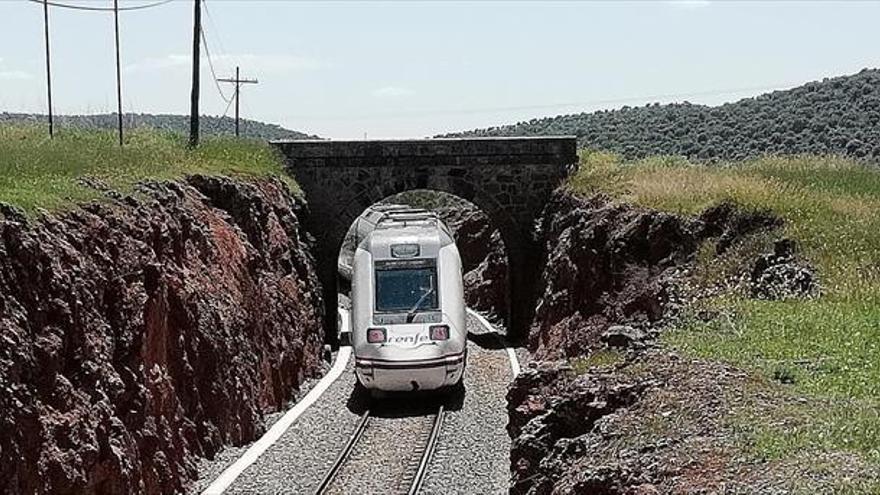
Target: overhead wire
[
  {"x": 414, "y": 113},
  {"x": 228, "y": 104},
  {"x": 101, "y": 9},
  {"x": 211, "y": 65},
  {"x": 204, "y": 36},
  {"x": 481, "y": 110},
  {"x": 219, "y": 39},
  {"x": 157, "y": 3},
  {"x": 214, "y": 27}
]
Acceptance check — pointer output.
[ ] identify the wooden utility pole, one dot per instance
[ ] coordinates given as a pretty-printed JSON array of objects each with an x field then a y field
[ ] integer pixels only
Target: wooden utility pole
[
  {"x": 118, "y": 71},
  {"x": 48, "y": 66},
  {"x": 194, "y": 94},
  {"x": 238, "y": 81}
]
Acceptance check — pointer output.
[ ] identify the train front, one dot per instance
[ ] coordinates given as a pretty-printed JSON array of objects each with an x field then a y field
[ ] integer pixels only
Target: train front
[{"x": 408, "y": 312}]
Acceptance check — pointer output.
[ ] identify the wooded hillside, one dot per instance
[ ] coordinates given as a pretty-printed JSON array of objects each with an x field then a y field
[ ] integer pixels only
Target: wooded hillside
[{"x": 833, "y": 116}]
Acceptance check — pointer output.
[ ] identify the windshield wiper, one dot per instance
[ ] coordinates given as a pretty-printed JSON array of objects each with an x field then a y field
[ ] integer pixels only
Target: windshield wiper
[{"x": 412, "y": 312}]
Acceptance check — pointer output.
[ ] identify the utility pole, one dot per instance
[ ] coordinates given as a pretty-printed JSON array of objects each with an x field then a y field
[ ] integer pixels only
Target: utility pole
[
  {"x": 194, "y": 94},
  {"x": 48, "y": 66},
  {"x": 118, "y": 71},
  {"x": 238, "y": 82}
]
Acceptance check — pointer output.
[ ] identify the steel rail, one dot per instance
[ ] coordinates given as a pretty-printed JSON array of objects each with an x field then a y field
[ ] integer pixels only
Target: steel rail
[
  {"x": 344, "y": 455},
  {"x": 424, "y": 461},
  {"x": 428, "y": 454}
]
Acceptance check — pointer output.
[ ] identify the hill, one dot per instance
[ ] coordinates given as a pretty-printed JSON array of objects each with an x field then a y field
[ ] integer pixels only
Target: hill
[
  {"x": 838, "y": 116},
  {"x": 209, "y": 125}
]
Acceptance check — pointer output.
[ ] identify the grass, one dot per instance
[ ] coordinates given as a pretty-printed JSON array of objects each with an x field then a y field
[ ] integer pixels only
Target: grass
[
  {"x": 598, "y": 359},
  {"x": 826, "y": 349},
  {"x": 38, "y": 173}
]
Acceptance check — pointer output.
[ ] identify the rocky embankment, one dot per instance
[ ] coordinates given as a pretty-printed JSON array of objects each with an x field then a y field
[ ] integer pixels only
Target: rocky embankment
[
  {"x": 634, "y": 418},
  {"x": 144, "y": 331},
  {"x": 607, "y": 264},
  {"x": 483, "y": 259}
]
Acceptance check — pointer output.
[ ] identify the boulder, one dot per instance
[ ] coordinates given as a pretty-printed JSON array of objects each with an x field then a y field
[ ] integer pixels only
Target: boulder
[
  {"x": 623, "y": 336},
  {"x": 781, "y": 275}
]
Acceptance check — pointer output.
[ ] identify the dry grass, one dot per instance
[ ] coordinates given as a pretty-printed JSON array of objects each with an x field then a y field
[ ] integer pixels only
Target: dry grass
[{"x": 830, "y": 346}]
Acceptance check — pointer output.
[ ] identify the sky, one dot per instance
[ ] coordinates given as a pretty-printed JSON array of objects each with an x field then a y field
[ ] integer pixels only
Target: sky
[{"x": 350, "y": 70}]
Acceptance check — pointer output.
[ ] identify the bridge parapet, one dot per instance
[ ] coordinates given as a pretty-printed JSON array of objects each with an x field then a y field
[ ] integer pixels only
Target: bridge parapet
[{"x": 430, "y": 152}]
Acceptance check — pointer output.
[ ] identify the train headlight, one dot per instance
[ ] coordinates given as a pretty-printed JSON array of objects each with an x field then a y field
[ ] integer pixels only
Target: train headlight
[
  {"x": 376, "y": 335},
  {"x": 439, "y": 332}
]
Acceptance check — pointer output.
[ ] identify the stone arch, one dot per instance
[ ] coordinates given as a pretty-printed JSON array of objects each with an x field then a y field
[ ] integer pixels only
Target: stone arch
[
  {"x": 511, "y": 234},
  {"x": 510, "y": 179},
  {"x": 461, "y": 188}
]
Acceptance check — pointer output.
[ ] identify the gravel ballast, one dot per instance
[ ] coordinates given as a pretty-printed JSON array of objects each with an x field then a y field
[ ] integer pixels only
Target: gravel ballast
[
  {"x": 210, "y": 469},
  {"x": 298, "y": 461},
  {"x": 472, "y": 454}
]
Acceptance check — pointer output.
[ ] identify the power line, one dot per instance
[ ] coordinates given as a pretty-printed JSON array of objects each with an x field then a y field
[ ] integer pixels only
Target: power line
[
  {"x": 466, "y": 111},
  {"x": 228, "y": 104},
  {"x": 211, "y": 65},
  {"x": 223, "y": 48},
  {"x": 214, "y": 27},
  {"x": 219, "y": 40},
  {"x": 102, "y": 9}
]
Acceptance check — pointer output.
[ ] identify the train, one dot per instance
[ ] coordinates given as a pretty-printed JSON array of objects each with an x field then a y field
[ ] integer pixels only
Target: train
[{"x": 408, "y": 329}]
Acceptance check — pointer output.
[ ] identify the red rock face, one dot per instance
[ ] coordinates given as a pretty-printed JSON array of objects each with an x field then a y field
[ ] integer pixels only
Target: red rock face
[
  {"x": 138, "y": 334},
  {"x": 607, "y": 264},
  {"x": 553, "y": 414},
  {"x": 484, "y": 260}
]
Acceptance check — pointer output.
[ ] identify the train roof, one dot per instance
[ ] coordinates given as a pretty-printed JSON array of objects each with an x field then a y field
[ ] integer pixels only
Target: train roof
[
  {"x": 400, "y": 224},
  {"x": 395, "y": 216}
]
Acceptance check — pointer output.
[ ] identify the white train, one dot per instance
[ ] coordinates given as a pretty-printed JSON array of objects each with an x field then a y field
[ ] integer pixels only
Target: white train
[{"x": 407, "y": 302}]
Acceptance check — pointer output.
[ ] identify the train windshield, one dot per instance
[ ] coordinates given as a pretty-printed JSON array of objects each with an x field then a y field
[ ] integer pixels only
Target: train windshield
[{"x": 406, "y": 289}]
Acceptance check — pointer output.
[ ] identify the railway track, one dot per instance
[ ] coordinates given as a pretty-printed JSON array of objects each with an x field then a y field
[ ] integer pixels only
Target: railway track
[{"x": 412, "y": 476}]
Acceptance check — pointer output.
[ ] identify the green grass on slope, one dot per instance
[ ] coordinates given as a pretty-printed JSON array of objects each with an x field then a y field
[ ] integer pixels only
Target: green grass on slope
[
  {"x": 36, "y": 172},
  {"x": 827, "y": 349}
]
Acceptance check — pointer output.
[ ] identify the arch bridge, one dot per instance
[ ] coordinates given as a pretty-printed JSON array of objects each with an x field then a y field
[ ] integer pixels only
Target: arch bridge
[{"x": 510, "y": 179}]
